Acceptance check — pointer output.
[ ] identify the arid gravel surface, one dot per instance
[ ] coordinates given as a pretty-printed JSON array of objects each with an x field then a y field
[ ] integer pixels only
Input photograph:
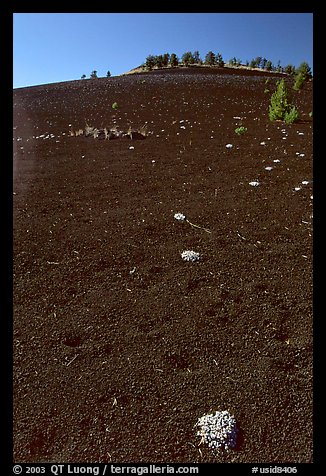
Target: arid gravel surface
[{"x": 119, "y": 344}]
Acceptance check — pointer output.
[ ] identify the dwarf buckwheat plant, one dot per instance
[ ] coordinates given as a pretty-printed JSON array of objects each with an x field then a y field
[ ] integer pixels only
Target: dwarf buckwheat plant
[
  {"x": 218, "y": 430},
  {"x": 182, "y": 217},
  {"x": 190, "y": 255}
]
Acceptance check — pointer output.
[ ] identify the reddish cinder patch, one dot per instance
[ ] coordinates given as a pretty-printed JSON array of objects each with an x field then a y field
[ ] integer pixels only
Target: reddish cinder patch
[{"x": 119, "y": 344}]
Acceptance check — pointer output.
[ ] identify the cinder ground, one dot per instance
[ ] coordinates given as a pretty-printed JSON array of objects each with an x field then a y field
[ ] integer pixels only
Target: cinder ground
[{"x": 119, "y": 345}]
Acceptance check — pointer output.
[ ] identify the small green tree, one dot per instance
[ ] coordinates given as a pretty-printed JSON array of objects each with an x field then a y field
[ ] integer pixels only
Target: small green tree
[
  {"x": 291, "y": 116},
  {"x": 83, "y": 76},
  {"x": 289, "y": 69},
  {"x": 304, "y": 69},
  {"x": 187, "y": 58},
  {"x": 165, "y": 59},
  {"x": 191, "y": 59},
  {"x": 258, "y": 61},
  {"x": 174, "y": 60},
  {"x": 279, "y": 102},
  {"x": 196, "y": 57},
  {"x": 150, "y": 62},
  {"x": 219, "y": 60},
  {"x": 210, "y": 58},
  {"x": 269, "y": 65},
  {"x": 280, "y": 108},
  {"x": 159, "y": 61},
  {"x": 108, "y": 74},
  {"x": 299, "y": 80},
  {"x": 253, "y": 63},
  {"x": 94, "y": 74},
  {"x": 267, "y": 81},
  {"x": 302, "y": 74}
]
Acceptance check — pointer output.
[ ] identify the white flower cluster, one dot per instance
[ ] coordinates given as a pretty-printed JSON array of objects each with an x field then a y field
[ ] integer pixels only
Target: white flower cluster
[
  {"x": 190, "y": 255},
  {"x": 179, "y": 216},
  {"x": 219, "y": 431}
]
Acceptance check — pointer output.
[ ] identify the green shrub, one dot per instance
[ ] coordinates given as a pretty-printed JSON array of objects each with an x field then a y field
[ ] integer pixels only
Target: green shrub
[
  {"x": 174, "y": 60},
  {"x": 289, "y": 69},
  {"x": 304, "y": 69},
  {"x": 299, "y": 80},
  {"x": 240, "y": 130},
  {"x": 187, "y": 58},
  {"x": 302, "y": 74},
  {"x": 219, "y": 60},
  {"x": 150, "y": 62},
  {"x": 269, "y": 65},
  {"x": 280, "y": 109},
  {"x": 291, "y": 116},
  {"x": 279, "y": 105},
  {"x": 115, "y": 105},
  {"x": 210, "y": 58}
]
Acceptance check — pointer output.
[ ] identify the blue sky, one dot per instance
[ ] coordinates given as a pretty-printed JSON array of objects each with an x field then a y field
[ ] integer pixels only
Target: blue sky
[{"x": 54, "y": 47}]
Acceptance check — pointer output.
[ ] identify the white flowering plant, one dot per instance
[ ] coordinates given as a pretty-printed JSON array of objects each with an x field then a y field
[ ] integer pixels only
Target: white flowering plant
[
  {"x": 219, "y": 431},
  {"x": 182, "y": 217},
  {"x": 190, "y": 255},
  {"x": 179, "y": 216}
]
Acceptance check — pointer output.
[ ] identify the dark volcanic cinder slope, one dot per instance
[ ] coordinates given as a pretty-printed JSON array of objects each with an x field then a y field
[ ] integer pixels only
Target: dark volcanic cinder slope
[{"x": 120, "y": 345}]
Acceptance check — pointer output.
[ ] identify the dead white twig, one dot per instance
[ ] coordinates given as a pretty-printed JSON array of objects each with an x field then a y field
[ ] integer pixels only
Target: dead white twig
[
  {"x": 197, "y": 226},
  {"x": 240, "y": 236},
  {"x": 71, "y": 361}
]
